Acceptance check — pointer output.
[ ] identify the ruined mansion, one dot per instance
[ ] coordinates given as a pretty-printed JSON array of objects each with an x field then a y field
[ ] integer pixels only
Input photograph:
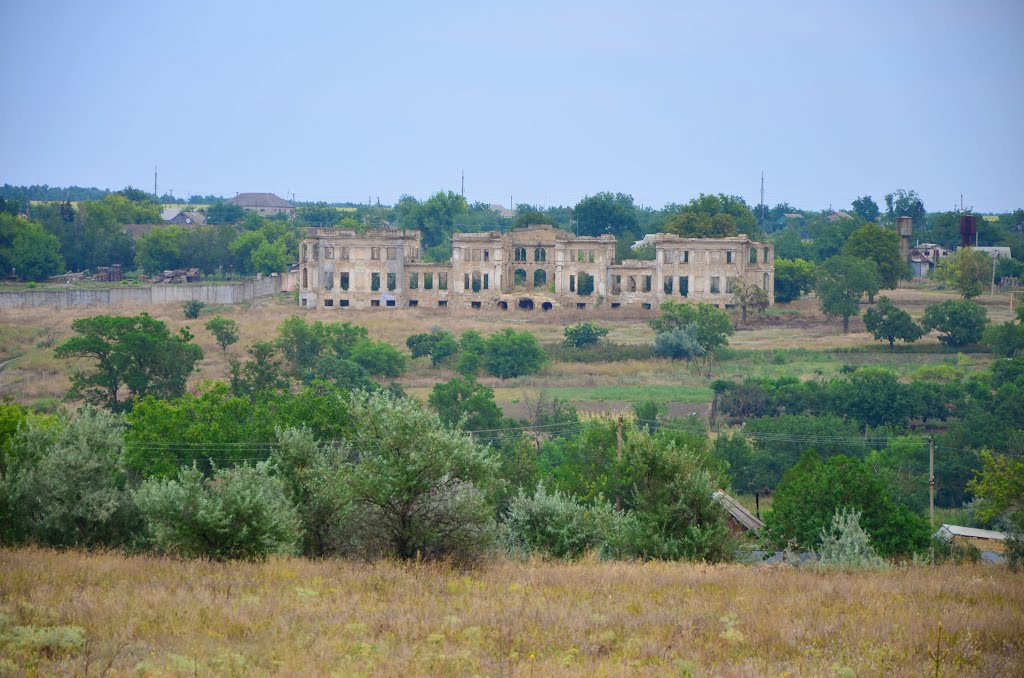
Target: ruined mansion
[{"x": 540, "y": 267}]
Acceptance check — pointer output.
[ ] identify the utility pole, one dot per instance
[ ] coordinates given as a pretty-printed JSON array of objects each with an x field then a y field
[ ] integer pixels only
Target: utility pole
[
  {"x": 762, "y": 198},
  {"x": 155, "y": 194},
  {"x": 618, "y": 456},
  {"x": 931, "y": 480},
  {"x": 992, "y": 290},
  {"x": 463, "y": 184}
]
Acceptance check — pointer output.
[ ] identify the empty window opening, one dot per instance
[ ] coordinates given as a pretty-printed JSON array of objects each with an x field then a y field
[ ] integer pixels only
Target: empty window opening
[
  {"x": 442, "y": 281},
  {"x": 647, "y": 283},
  {"x": 581, "y": 304},
  {"x": 375, "y": 282},
  {"x": 546, "y": 306},
  {"x": 686, "y": 257},
  {"x": 540, "y": 254},
  {"x": 753, "y": 255},
  {"x": 590, "y": 256},
  {"x": 392, "y": 281},
  {"x": 476, "y": 281},
  {"x": 328, "y": 302},
  {"x": 343, "y": 302},
  {"x": 584, "y": 284},
  {"x": 375, "y": 302},
  {"x": 328, "y": 280},
  {"x": 540, "y": 278},
  {"x": 765, "y": 254},
  {"x": 389, "y": 302},
  {"x": 729, "y": 256},
  {"x": 487, "y": 281},
  {"x": 487, "y": 255},
  {"x": 616, "y": 284},
  {"x": 414, "y": 302},
  {"x": 503, "y": 305},
  {"x": 305, "y": 252},
  {"x": 519, "y": 279},
  {"x": 414, "y": 281},
  {"x": 343, "y": 280},
  {"x": 375, "y": 253},
  {"x": 520, "y": 254},
  {"x": 465, "y": 281},
  {"x": 443, "y": 303},
  {"x": 428, "y": 281},
  {"x": 305, "y": 279},
  {"x": 766, "y": 280},
  {"x": 616, "y": 304},
  {"x": 716, "y": 285},
  {"x": 475, "y": 304},
  {"x": 303, "y": 302},
  {"x": 526, "y": 304},
  {"x": 668, "y": 284},
  {"x": 631, "y": 284},
  {"x": 572, "y": 283},
  {"x": 328, "y": 253},
  {"x": 684, "y": 285},
  {"x": 646, "y": 306}
]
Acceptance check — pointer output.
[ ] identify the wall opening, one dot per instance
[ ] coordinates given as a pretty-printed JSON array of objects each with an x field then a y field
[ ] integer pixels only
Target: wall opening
[
  {"x": 476, "y": 285},
  {"x": 540, "y": 278},
  {"x": 443, "y": 303},
  {"x": 375, "y": 282},
  {"x": 519, "y": 279},
  {"x": 581, "y": 304},
  {"x": 305, "y": 279},
  {"x": 526, "y": 304},
  {"x": 428, "y": 281},
  {"x": 475, "y": 304},
  {"x": 343, "y": 302},
  {"x": 668, "y": 284},
  {"x": 442, "y": 281},
  {"x": 647, "y": 283},
  {"x": 616, "y": 304},
  {"x": 631, "y": 284},
  {"x": 392, "y": 281},
  {"x": 684, "y": 285},
  {"x": 414, "y": 281},
  {"x": 343, "y": 277},
  {"x": 390, "y": 302},
  {"x": 716, "y": 285},
  {"x": 328, "y": 302},
  {"x": 503, "y": 305},
  {"x": 584, "y": 284},
  {"x": 414, "y": 302},
  {"x": 546, "y": 306},
  {"x": 375, "y": 302}
]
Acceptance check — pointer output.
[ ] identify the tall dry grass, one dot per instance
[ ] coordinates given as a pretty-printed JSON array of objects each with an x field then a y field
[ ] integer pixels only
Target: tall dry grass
[{"x": 154, "y": 616}]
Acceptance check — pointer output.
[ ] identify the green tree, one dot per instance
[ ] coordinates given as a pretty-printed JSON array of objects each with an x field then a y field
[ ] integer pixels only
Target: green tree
[
  {"x": 749, "y": 297},
  {"x": 270, "y": 257},
  {"x": 465, "y": 399},
  {"x": 242, "y": 250},
  {"x": 419, "y": 489},
  {"x": 841, "y": 283},
  {"x": 959, "y": 321},
  {"x": 27, "y": 250},
  {"x": 438, "y": 344},
  {"x": 224, "y": 213},
  {"x": 886, "y": 321},
  {"x": 557, "y": 525},
  {"x": 193, "y": 308},
  {"x": 680, "y": 343},
  {"x": 605, "y": 212},
  {"x": 379, "y": 358},
  {"x": 967, "y": 270},
  {"x": 159, "y": 250},
  {"x": 242, "y": 513},
  {"x": 472, "y": 347},
  {"x": 811, "y": 493},
  {"x": 712, "y": 326},
  {"x": 134, "y": 357},
  {"x": 881, "y": 246},
  {"x": 224, "y": 330},
  {"x": 584, "y": 334},
  {"x": 1007, "y": 339},
  {"x": 712, "y": 216},
  {"x": 1000, "y": 483},
  {"x": 904, "y": 203},
  {"x": 512, "y": 354},
  {"x": 793, "y": 279},
  {"x": 867, "y": 209}
]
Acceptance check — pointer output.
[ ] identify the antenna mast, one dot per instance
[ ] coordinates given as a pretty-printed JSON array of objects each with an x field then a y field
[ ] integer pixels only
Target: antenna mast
[
  {"x": 762, "y": 198},
  {"x": 463, "y": 184},
  {"x": 155, "y": 193}
]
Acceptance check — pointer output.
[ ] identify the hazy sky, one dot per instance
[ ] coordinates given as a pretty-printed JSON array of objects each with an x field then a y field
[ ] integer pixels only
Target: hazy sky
[{"x": 542, "y": 101}]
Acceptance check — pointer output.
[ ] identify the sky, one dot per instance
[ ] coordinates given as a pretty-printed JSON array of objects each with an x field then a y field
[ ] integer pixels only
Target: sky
[{"x": 535, "y": 102}]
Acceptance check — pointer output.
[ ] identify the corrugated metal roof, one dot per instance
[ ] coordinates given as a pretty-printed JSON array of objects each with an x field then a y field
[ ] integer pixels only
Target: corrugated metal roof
[
  {"x": 739, "y": 512},
  {"x": 971, "y": 532}
]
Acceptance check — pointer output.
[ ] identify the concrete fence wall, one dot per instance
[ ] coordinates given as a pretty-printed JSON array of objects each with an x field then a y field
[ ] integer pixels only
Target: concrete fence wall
[{"x": 212, "y": 293}]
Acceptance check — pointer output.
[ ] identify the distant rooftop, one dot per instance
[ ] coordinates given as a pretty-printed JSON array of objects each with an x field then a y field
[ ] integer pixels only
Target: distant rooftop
[{"x": 257, "y": 200}]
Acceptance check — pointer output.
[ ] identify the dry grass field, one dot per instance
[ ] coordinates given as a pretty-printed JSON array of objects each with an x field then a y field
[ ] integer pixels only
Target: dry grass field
[
  {"x": 30, "y": 373},
  {"x": 78, "y": 614}
]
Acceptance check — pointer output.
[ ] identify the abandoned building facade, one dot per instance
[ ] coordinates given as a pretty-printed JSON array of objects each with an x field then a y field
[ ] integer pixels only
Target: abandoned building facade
[{"x": 539, "y": 267}]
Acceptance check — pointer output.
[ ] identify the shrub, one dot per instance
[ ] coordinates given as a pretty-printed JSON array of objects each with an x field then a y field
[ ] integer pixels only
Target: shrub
[
  {"x": 224, "y": 330},
  {"x": 680, "y": 343},
  {"x": 67, "y": 486},
  {"x": 192, "y": 308},
  {"x": 959, "y": 321},
  {"x": 846, "y": 546},
  {"x": 603, "y": 352},
  {"x": 242, "y": 513},
  {"x": 512, "y": 354},
  {"x": 584, "y": 334},
  {"x": 419, "y": 489},
  {"x": 556, "y": 525}
]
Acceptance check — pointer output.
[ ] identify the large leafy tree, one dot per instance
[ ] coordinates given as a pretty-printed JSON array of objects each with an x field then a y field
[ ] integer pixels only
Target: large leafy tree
[
  {"x": 712, "y": 326},
  {"x": 133, "y": 357},
  {"x": 712, "y": 216},
  {"x": 749, "y": 297},
  {"x": 866, "y": 208},
  {"x": 160, "y": 250},
  {"x": 904, "y": 203},
  {"x": 812, "y": 491},
  {"x": 793, "y": 279},
  {"x": 841, "y": 283},
  {"x": 881, "y": 246},
  {"x": 886, "y": 321},
  {"x": 967, "y": 270},
  {"x": 1007, "y": 339},
  {"x": 512, "y": 354},
  {"x": 959, "y": 321},
  {"x": 27, "y": 250},
  {"x": 463, "y": 400},
  {"x": 606, "y": 212}
]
